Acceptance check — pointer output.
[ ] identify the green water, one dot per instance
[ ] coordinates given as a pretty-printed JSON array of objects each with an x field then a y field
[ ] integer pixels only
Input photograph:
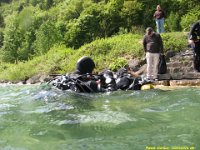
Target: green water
[{"x": 36, "y": 117}]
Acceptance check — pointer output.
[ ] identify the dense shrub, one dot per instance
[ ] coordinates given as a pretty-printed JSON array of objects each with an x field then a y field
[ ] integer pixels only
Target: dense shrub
[
  {"x": 102, "y": 29},
  {"x": 172, "y": 22},
  {"x": 84, "y": 29},
  {"x": 132, "y": 14},
  {"x": 19, "y": 36},
  {"x": 1, "y": 21},
  {"x": 110, "y": 53},
  {"x": 174, "y": 41},
  {"x": 55, "y": 60},
  {"x": 46, "y": 37},
  {"x": 191, "y": 17},
  {"x": 1, "y": 39}
]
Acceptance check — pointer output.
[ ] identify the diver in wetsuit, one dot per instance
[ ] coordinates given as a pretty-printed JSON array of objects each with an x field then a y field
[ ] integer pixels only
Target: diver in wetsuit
[
  {"x": 102, "y": 82},
  {"x": 84, "y": 65},
  {"x": 194, "y": 41},
  {"x": 84, "y": 80}
]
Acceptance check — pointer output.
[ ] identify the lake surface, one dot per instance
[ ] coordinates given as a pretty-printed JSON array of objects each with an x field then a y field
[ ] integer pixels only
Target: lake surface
[{"x": 37, "y": 117}]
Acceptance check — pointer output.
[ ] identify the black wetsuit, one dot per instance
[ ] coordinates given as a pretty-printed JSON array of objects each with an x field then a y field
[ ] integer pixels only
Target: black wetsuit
[{"x": 195, "y": 36}]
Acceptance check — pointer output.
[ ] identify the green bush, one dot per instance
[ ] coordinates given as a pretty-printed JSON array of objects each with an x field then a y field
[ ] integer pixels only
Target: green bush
[
  {"x": 46, "y": 36},
  {"x": 109, "y": 53},
  {"x": 37, "y": 25},
  {"x": 191, "y": 17},
  {"x": 132, "y": 13},
  {"x": 117, "y": 63},
  {"x": 52, "y": 62},
  {"x": 19, "y": 35},
  {"x": 172, "y": 22},
  {"x": 1, "y": 21},
  {"x": 1, "y": 39},
  {"x": 174, "y": 41}
]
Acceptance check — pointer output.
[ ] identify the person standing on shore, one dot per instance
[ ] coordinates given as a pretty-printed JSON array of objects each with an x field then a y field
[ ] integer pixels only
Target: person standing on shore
[
  {"x": 194, "y": 41},
  {"x": 153, "y": 47},
  {"x": 159, "y": 16}
]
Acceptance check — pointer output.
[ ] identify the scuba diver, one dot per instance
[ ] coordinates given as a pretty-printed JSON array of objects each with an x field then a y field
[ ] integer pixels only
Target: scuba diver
[
  {"x": 95, "y": 83},
  {"x": 194, "y": 41},
  {"x": 83, "y": 80},
  {"x": 84, "y": 65}
]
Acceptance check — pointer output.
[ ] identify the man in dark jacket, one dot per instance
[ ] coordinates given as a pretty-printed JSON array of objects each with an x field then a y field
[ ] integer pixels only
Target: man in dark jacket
[
  {"x": 153, "y": 47},
  {"x": 194, "y": 41}
]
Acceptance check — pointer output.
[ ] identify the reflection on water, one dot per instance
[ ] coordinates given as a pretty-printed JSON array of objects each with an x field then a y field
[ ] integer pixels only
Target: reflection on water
[{"x": 37, "y": 117}]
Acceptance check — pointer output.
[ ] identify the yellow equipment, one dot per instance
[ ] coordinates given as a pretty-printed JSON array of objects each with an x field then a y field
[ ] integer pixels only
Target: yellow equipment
[{"x": 147, "y": 87}]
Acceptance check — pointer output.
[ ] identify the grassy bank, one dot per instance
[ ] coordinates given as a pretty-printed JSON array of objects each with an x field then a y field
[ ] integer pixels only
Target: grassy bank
[{"x": 109, "y": 53}]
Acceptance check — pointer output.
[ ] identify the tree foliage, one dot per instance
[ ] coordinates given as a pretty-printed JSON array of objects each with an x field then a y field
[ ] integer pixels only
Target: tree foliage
[
  {"x": 1, "y": 21},
  {"x": 12, "y": 40},
  {"x": 31, "y": 27},
  {"x": 1, "y": 39},
  {"x": 132, "y": 13},
  {"x": 46, "y": 36},
  {"x": 43, "y": 4},
  {"x": 19, "y": 36},
  {"x": 172, "y": 22},
  {"x": 191, "y": 17}
]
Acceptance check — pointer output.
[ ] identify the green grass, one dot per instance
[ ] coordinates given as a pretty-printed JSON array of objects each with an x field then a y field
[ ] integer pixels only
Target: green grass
[
  {"x": 52, "y": 62},
  {"x": 110, "y": 53}
]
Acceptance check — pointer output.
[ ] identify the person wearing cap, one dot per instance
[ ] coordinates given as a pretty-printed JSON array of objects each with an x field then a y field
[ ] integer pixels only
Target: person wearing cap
[
  {"x": 159, "y": 18},
  {"x": 153, "y": 47}
]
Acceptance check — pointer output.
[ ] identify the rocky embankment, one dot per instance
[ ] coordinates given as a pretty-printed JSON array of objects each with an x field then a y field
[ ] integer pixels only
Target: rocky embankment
[{"x": 180, "y": 71}]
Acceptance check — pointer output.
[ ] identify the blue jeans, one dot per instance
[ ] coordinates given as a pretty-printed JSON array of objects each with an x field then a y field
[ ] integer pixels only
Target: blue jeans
[{"x": 160, "y": 25}]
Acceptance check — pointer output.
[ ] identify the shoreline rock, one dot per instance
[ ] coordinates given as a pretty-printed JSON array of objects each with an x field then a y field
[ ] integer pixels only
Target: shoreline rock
[{"x": 180, "y": 70}]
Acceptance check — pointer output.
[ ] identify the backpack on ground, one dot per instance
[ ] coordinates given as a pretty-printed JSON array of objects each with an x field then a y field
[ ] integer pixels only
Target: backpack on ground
[{"x": 162, "y": 66}]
